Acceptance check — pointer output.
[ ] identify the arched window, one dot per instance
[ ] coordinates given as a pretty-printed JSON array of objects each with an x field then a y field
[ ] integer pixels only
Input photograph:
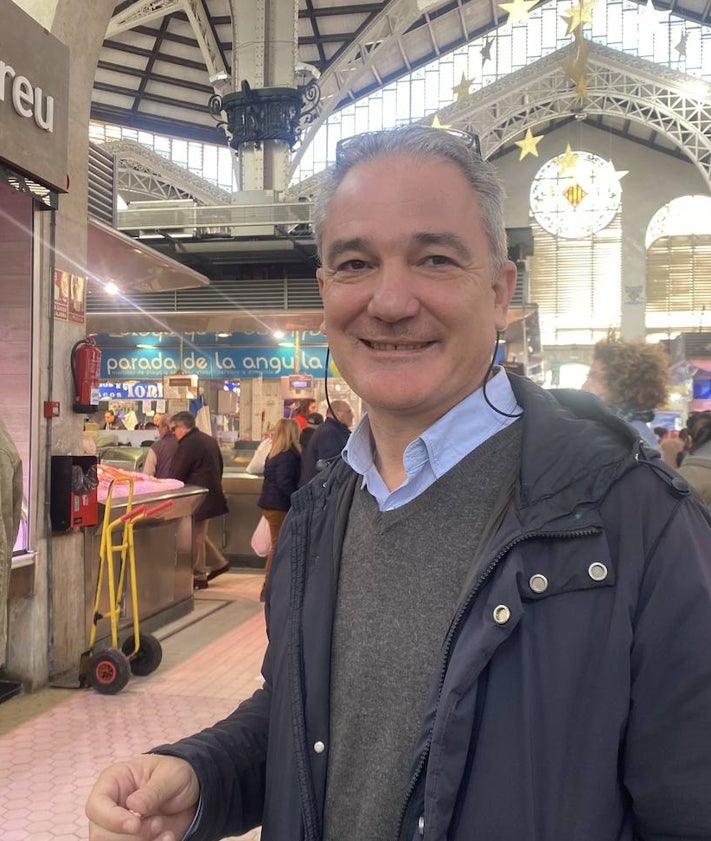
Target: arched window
[
  {"x": 678, "y": 242},
  {"x": 575, "y": 269}
]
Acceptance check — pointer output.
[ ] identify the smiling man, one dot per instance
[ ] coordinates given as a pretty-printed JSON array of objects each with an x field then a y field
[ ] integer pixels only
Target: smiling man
[{"x": 489, "y": 619}]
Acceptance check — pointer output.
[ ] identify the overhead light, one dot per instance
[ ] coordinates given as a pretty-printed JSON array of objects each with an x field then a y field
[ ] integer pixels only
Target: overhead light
[
  {"x": 278, "y": 334},
  {"x": 146, "y": 347},
  {"x": 220, "y": 81},
  {"x": 305, "y": 70},
  {"x": 110, "y": 288},
  {"x": 222, "y": 335}
]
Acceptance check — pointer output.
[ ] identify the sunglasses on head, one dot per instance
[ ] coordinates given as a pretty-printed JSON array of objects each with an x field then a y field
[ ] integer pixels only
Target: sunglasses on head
[{"x": 468, "y": 138}]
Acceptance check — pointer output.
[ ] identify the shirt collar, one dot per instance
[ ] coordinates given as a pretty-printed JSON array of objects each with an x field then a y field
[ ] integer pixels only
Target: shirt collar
[{"x": 450, "y": 438}]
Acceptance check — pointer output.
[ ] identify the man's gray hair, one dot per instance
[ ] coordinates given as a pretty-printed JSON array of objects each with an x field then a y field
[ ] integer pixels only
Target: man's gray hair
[
  {"x": 422, "y": 142},
  {"x": 186, "y": 419}
]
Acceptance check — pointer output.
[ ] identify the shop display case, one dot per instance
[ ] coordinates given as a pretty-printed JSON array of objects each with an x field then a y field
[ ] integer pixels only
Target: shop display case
[{"x": 233, "y": 532}]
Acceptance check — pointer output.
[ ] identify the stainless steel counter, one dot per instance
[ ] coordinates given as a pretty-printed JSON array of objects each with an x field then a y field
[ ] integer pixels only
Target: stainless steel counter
[
  {"x": 233, "y": 532},
  {"x": 162, "y": 548}
]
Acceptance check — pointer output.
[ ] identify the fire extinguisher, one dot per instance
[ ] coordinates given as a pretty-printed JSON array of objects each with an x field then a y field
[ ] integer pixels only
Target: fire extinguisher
[{"x": 86, "y": 373}]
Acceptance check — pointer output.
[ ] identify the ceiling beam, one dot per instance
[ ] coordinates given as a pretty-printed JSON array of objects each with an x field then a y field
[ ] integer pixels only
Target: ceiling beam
[{"x": 140, "y": 12}]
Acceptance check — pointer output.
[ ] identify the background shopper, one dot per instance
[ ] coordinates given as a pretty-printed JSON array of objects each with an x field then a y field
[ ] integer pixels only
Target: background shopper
[
  {"x": 632, "y": 379},
  {"x": 281, "y": 478},
  {"x": 159, "y": 459},
  {"x": 328, "y": 440},
  {"x": 696, "y": 467},
  {"x": 198, "y": 461}
]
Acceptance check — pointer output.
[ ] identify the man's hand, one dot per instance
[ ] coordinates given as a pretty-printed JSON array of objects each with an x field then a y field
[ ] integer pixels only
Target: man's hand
[{"x": 147, "y": 798}]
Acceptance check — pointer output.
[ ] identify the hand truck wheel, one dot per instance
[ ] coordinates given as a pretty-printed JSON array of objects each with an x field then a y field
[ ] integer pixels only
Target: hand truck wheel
[
  {"x": 109, "y": 671},
  {"x": 147, "y": 658}
]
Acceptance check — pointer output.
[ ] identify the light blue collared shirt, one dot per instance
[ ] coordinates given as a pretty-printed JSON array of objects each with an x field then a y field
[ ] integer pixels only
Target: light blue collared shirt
[{"x": 456, "y": 434}]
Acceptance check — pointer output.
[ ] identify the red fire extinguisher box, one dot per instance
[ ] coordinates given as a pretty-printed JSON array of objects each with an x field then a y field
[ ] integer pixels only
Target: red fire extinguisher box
[{"x": 73, "y": 492}]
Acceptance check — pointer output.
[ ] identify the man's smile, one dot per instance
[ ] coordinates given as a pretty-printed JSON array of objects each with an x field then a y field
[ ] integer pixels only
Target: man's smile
[{"x": 388, "y": 346}]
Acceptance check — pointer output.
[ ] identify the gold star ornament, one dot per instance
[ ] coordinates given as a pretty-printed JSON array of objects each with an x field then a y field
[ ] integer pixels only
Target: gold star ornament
[
  {"x": 575, "y": 66},
  {"x": 567, "y": 161},
  {"x": 578, "y": 14},
  {"x": 528, "y": 144},
  {"x": 461, "y": 91},
  {"x": 518, "y": 10},
  {"x": 436, "y": 123},
  {"x": 581, "y": 89}
]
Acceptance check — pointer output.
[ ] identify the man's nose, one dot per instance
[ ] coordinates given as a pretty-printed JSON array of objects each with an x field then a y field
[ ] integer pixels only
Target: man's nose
[{"x": 394, "y": 295}]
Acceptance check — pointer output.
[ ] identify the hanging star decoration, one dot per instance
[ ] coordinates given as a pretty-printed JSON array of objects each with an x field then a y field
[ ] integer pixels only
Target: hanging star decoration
[
  {"x": 581, "y": 89},
  {"x": 650, "y": 17},
  {"x": 528, "y": 144},
  {"x": 575, "y": 67},
  {"x": 578, "y": 15},
  {"x": 567, "y": 161},
  {"x": 486, "y": 51},
  {"x": 436, "y": 123},
  {"x": 518, "y": 10},
  {"x": 461, "y": 90},
  {"x": 681, "y": 46}
]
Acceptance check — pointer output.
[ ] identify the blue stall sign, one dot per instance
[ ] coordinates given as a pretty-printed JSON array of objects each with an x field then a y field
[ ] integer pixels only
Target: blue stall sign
[
  {"x": 207, "y": 340},
  {"x": 131, "y": 390},
  {"x": 213, "y": 363}
]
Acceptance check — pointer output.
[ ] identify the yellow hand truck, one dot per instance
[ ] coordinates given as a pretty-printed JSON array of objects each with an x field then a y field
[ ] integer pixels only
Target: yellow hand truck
[{"x": 109, "y": 669}]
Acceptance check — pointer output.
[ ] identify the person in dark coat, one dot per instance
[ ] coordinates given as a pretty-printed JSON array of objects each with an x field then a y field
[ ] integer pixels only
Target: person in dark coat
[
  {"x": 489, "y": 619},
  {"x": 315, "y": 419},
  {"x": 281, "y": 478},
  {"x": 198, "y": 461},
  {"x": 328, "y": 440}
]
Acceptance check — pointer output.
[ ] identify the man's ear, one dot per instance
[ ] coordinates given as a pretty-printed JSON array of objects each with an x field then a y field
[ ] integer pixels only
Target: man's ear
[
  {"x": 504, "y": 288},
  {"x": 321, "y": 284}
]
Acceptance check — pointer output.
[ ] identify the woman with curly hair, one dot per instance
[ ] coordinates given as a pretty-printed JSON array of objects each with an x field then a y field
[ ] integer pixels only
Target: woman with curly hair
[
  {"x": 696, "y": 467},
  {"x": 632, "y": 378}
]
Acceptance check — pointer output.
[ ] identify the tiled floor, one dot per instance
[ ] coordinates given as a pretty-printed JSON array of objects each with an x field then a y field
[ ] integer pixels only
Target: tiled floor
[{"x": 54, "y": 742}]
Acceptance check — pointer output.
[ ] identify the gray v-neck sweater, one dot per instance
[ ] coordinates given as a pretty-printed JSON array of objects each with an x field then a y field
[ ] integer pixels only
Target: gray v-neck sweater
[{"x": 400, "y": 580}]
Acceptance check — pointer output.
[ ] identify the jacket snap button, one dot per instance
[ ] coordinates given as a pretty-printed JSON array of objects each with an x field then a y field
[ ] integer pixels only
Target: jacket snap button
[
  {"x": 538, "y": 583},
  {"x": 501, "y": 614},
  {"x": 319, "y": 747},
  {"x": 597, "y": 571}
]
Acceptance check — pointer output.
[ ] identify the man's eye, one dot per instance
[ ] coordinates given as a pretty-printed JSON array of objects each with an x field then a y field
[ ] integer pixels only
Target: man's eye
[
  {"x": 351, "y": 266},
  {"x": 438, "y": 260}
]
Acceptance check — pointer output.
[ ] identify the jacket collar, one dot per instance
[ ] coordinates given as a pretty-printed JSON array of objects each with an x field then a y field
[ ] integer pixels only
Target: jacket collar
[{"x": 573, "y": 450}]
